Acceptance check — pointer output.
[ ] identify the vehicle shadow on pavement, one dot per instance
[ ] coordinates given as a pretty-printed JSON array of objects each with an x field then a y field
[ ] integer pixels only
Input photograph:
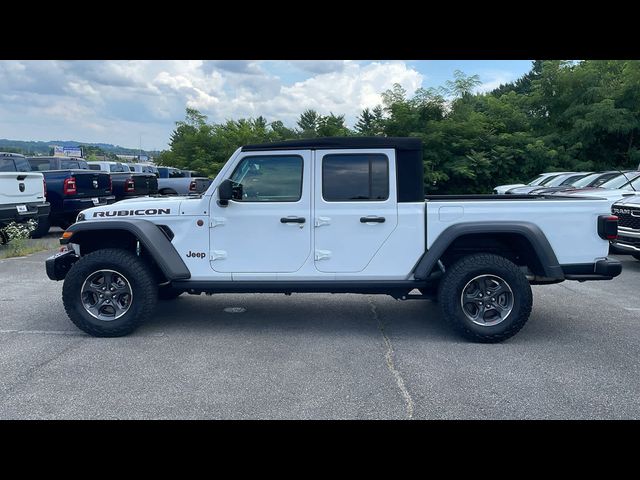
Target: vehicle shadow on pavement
[{"x": 310, "y": 313}]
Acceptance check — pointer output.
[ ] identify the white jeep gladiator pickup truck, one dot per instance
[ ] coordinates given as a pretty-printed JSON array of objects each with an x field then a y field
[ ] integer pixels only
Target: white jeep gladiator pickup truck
[{"x": 339, "y": 215}]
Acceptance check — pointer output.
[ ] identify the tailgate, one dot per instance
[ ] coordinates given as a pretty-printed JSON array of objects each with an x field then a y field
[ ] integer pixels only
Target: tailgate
[
  {"x": 91, "y": 183},
  {"x": 145, "y": 184},
  {"x": 202, "y": 184},
  {"x": 18, "y": 187}
]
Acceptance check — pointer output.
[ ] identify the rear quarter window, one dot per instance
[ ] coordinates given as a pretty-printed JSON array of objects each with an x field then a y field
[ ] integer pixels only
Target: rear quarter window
[
  {"x": 7, "y": 165},
  {"x": 39, "y": 164}
]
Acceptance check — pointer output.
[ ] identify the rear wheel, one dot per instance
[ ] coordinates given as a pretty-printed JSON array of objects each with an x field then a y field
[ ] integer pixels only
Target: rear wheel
[
  {"x": 485, "y": 297},
  {"x": 109, "y": 293}
]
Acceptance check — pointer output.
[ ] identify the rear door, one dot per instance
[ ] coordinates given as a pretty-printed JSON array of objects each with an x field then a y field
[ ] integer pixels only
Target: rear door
[{"x": 355, "y": 207}]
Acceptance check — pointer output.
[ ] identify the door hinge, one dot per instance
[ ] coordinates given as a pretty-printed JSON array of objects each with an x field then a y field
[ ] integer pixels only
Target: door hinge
[
  {"x": 322, "y": 221},
  {"x": 215, "y": 221},
  {"x": 322, "y": 254},
  {"x": 218, "y": 254}
]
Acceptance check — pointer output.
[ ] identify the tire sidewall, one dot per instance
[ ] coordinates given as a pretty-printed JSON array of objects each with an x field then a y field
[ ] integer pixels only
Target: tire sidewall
[
  {"x": 522, "y": 300},
  {"x": 72, "y": 294}
]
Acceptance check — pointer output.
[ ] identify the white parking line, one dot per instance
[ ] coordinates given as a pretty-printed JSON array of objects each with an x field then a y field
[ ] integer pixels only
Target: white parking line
[{"x": 66, "y": 332}]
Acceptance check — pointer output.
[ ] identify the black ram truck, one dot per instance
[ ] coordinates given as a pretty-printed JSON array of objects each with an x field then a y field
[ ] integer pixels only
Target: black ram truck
[
  {"x": 128, "y": 184},
  {"x": 71, "y": 188}
]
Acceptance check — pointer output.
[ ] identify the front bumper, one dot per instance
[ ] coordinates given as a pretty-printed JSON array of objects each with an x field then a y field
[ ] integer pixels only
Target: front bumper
[
  {"x": 628, "y": 241},
  {"x": 59, "y": 264},
  {"x": 604, "y": 269}
]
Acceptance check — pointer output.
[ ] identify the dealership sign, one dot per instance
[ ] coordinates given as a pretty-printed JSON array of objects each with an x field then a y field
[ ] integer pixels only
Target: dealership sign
[{"x": 67, "y": 151}]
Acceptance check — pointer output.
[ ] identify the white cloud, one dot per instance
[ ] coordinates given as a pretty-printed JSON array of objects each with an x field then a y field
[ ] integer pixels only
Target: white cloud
[
  {"x": 116, "y": 101},
  {"x": 495, "y": 79}
]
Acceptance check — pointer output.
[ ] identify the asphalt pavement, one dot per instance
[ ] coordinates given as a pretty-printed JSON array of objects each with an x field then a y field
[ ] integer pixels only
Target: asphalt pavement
[{"x": 319, "y": 356}]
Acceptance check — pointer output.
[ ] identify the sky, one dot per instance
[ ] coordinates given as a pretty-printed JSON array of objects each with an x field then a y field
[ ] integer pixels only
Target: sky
[{"x": 136, "y": 103}]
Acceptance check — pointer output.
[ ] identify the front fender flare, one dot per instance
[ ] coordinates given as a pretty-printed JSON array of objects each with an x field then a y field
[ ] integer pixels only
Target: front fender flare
[{"x": 150, "y": 237}]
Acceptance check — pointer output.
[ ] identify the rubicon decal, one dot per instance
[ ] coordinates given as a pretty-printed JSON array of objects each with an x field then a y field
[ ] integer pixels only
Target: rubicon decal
[{"x": 130, "y": 213}]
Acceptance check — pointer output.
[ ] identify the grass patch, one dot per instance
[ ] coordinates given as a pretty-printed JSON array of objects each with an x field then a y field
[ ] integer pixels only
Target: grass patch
[{"x": 19, "y": 247}]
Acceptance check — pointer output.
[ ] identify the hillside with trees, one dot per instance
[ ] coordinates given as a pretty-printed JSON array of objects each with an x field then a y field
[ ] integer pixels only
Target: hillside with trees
[{"x": 561, "y": 115}]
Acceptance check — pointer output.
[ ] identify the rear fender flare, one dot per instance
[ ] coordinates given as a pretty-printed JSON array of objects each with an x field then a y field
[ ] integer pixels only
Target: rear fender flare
[{"x": 528, "y": 230}]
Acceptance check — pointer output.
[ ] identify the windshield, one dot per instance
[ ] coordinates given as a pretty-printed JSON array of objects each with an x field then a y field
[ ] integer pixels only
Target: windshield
[
  {"x": 556, "y": 181},
  {"x": 620, "y": 180},
  {"x": 634, "y": 185},
  {"x": 547, "y": 180},
  {"x": 572, "y": 179},
  {"x": 586, "y": 181},
  {"x": 536, "y": 180}
]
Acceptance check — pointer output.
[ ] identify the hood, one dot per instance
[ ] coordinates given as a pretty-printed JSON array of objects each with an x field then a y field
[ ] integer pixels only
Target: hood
[
  {"x": 630, "y": 200},
  {"x": 521, "y": 190},
  {"x": 600, "y": 193},
  {"x": 504, "y": 188}
]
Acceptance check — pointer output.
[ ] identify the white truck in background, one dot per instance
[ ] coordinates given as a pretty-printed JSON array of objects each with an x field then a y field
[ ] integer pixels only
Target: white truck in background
[{"x": 22, "y": 192}]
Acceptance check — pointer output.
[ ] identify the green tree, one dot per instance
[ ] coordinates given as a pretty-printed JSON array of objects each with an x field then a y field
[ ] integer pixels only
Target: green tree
[
  {"x": 332, "y": 126},
  {"x": 308, "y": 123}
]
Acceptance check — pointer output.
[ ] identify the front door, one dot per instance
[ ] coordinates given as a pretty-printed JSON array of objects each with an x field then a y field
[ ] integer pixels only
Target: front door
[
  {"x": 355, "y": 207},
  {"x": 268, "y": 229}
]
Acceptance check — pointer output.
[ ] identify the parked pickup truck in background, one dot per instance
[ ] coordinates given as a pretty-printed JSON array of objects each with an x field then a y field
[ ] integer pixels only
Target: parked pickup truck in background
[
  {"x": 174, "y": 181},
  {"x": 143, "y": 168},
  {"x": 22, "y": 192},
  {"x": 339, "y": 215},
  {"x": 71, "y": 188},
  {"x": 628, "y": 212},
  {"x": 539, "y": 180},
  {"x": 127, "y": 184}
]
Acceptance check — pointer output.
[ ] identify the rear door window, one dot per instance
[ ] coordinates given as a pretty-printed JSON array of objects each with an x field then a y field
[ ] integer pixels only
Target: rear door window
[{"x": 355, "y": 177}]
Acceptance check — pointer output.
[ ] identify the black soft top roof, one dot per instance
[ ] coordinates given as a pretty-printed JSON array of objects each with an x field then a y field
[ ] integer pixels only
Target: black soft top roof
[
  {"x": 326, "y": 143},
  {"x": 409, "y": 166}
]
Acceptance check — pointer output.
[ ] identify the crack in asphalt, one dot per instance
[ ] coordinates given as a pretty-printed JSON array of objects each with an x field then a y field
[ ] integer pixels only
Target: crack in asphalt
[
  {"x": 388, "y": 355},
  {"x": 24, "y": 378}
]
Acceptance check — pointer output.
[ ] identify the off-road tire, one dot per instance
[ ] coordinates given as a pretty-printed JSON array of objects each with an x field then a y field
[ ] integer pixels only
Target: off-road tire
[
  {"x": 168, "y": 293},
  {"x": 42, "y": 229},
  {"x": 463, "y": 271},
  {"x": 141, "y": 279}
]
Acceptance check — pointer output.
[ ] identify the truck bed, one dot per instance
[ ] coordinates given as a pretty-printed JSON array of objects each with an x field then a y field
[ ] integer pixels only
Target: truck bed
[{"x": 568, "y": 222}]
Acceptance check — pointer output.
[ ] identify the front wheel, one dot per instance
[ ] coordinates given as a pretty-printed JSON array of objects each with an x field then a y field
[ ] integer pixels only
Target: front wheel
[
  {"x": 109, "y": 293},
  {"x": 485, "y": 297}
]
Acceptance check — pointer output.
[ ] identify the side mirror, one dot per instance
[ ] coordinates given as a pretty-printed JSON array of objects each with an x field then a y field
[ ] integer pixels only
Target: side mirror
[{"x": 229, "y": 190}]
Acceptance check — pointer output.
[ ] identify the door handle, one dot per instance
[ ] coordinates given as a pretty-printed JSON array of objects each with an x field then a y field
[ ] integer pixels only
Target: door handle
[
  {"x": 293, "y": 220},
  {"x": 372, "y": 219}
]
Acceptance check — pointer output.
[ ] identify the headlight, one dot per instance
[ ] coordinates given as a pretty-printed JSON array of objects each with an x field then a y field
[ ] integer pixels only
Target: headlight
[{"x": 80, "y": 217}]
